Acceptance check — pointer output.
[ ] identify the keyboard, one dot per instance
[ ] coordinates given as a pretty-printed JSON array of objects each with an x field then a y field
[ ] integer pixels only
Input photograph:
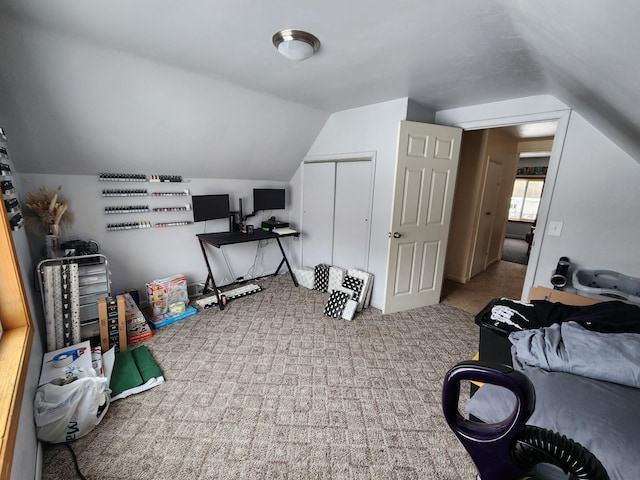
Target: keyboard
[
  {"x": 284, "y": 231},
  {"x": 230, "y": 294}
]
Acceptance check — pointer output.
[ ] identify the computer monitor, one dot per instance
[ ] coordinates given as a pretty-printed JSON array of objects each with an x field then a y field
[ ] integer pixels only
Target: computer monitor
[
  {"x": 268, "y": 199},
  {"x": 210, "y": 207}
]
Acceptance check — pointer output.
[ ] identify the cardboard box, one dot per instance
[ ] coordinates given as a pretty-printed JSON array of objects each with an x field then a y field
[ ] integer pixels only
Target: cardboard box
[
  {"x": 551, "y": 295},
  {"x": 164, "y": 292},
  {"x": 113, "y": 323},
  {"x": 137, "y": 327},
  {"x": 57, "y": 364}
]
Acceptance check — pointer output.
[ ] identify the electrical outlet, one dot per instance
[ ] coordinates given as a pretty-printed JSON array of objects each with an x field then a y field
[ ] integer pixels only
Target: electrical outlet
[{"x": 555, "y": 228}]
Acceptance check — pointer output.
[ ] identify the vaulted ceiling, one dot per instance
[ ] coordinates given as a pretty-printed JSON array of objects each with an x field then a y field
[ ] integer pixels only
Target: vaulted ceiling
[{"x": 196, "y": 88}]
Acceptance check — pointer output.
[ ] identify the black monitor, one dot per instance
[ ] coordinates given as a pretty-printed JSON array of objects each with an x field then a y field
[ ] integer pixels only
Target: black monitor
[
  {"x": 268, "y": 199},
  {"x": 210, "y": 207}
]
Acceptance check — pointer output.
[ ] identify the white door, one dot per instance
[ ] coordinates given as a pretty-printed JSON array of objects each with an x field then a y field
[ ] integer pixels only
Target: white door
[
  {"x": 427, "y": 164},
  {"x": 486, "y": 217},
  {"x": 336, "y": 213},
  {"x": 352, "y": 209},
  {"x": 318, "y": 194}
]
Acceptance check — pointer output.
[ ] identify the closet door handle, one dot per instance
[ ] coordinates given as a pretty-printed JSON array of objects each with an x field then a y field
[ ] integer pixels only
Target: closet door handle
[{"x": 396, "y": 235}]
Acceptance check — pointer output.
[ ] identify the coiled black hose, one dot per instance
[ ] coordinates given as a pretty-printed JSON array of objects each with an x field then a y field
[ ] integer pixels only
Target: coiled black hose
[{"x": 536, "y": 445}]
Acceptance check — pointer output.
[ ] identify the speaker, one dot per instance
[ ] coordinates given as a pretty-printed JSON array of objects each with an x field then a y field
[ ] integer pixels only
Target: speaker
[{"x": 559, "y": 278}]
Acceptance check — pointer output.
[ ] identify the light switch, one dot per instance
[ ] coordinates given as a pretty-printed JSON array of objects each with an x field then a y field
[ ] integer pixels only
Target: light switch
[{"x": 555, "y": 228}]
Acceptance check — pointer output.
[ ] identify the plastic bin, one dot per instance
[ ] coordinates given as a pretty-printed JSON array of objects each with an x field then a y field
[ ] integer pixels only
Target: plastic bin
[{"x": 607, "y": 285}]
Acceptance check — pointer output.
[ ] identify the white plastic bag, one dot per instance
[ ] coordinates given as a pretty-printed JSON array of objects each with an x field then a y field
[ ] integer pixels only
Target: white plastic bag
[{"x": 64, "y": 413}]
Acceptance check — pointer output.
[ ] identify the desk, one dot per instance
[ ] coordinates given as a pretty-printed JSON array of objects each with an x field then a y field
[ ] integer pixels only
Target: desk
[{"x": 218, "y": 240}]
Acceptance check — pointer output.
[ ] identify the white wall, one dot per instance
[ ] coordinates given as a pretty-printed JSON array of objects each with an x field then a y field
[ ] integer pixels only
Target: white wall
[
  {"x": 76, "y": 107},
  {"x": 138, "y": 256},
  {"x": 596, "y": 196},
  {"x": 591, "y": 188},
  {"x": 373, "y": 128}
]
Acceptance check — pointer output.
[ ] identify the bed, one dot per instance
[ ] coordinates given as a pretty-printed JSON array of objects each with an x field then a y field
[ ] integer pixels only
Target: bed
[{"x": 584, "y": 362}]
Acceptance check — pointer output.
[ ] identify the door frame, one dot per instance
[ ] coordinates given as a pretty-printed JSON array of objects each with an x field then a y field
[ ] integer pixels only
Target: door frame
[
  {"x": 474, "y": 119},
  {"x": 338, "y": 158}
]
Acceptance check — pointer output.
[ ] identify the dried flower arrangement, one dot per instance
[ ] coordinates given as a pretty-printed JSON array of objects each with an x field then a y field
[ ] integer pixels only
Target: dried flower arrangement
[{"x": 48, "y": 208}]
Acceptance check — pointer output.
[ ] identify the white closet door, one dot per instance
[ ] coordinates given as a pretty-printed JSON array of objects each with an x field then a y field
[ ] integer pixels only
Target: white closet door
[
  {"x": 318, "y": 196},
  {"x": 352, "y": 215}
]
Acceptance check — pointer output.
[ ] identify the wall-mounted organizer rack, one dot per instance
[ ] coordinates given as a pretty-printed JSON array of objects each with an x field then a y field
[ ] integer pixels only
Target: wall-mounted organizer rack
[
  {"x": 122, "y": 177},
  {"x": 184, "y": 208},
  {"x": 183, "y": 193},
  {"x": 166, "y": 178},
  {"x": 113, "y": 193},
  {"x": 127, "y": 209},
  {"x": 139, "y": 177},
  {"x": 173, "y": 224},
  {"x": 9, "y": 194},
  {"x": 128, "y": 226},
  {"x": 130, "y": 192}
]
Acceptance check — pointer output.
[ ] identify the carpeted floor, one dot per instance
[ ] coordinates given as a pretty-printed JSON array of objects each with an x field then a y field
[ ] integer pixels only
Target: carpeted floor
[
  {"x": 502, "y": 279},
  {"x": 515, "y": 250},
  {"x": 270, "y": 388}
]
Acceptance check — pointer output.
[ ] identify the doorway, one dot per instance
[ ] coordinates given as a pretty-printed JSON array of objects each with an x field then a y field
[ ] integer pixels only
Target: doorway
[{"x": 491, "y": 242}]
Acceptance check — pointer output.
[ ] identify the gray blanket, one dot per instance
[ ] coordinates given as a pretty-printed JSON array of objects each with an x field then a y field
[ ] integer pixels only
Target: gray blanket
[
  {"x": 570, "y": 348},
  {"x": 601, "y": 416}
]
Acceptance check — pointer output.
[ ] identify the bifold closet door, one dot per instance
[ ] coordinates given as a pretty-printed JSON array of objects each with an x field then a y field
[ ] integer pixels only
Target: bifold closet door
[
  {"x": 336, "y": 214},
  {"x": 351, "y": 231},
  {"x": 318, "y": 196}
]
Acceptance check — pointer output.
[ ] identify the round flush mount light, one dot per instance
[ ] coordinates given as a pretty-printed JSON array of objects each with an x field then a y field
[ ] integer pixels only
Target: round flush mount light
[{"x": 295, "y": 44}]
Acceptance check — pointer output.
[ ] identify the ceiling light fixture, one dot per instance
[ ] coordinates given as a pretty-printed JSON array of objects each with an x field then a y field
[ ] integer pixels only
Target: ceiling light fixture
[{"x": 295, "y": 44}]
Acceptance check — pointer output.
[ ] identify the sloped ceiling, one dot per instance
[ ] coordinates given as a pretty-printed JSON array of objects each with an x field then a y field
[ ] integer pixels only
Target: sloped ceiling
[{"x": 197, "y": 88}]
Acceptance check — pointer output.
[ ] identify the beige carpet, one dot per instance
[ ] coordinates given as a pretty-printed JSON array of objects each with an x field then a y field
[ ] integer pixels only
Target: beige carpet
[{"x": 271, "y": 388}]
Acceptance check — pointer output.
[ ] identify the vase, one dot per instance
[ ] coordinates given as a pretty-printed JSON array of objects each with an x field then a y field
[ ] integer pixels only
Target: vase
[{"x": 52, "y": 246}]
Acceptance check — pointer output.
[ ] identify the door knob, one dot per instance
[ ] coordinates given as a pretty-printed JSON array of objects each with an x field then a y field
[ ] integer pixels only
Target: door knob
[{"x": 396, "y": 235}]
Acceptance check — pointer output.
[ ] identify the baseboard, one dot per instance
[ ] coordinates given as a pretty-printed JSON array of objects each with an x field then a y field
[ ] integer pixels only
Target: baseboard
[{"x": 455, "y": 278}]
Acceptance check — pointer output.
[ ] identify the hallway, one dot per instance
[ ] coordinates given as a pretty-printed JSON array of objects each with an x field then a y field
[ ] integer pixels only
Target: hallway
[{"x": 502, "y": 279}]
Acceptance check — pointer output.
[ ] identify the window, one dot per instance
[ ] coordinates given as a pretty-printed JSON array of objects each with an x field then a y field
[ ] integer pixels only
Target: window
[
  {"x": 525, "y": 199},
  {"x": 15, "y": 346}
]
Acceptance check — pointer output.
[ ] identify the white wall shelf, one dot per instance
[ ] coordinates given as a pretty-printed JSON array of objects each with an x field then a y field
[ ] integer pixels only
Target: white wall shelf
[{"x": 143, "y": 192}]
